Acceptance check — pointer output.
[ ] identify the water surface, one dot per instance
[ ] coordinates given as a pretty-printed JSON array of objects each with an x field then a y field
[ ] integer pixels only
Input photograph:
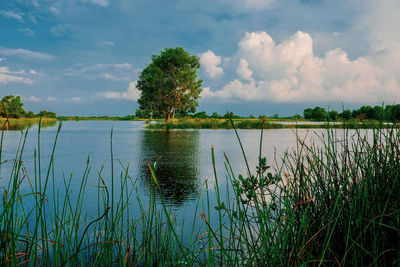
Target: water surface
[{"x": 182, "y": 158}]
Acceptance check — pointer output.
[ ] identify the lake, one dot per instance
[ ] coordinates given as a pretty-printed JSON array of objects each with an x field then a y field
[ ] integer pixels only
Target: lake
[{"x": 183, "y": 158}]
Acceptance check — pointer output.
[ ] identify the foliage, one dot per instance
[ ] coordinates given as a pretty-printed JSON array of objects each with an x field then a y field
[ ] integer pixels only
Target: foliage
[
  {"x": 215, "y": 115},
  {"x": 332, "y": 203},
  {"x": 379, "y": 113},
  {"x": 169, "y": 83},
  {"x": 11, "y": 107},
  {"x": 200, "y": 115},
  {"x": 47, "y": 114}
]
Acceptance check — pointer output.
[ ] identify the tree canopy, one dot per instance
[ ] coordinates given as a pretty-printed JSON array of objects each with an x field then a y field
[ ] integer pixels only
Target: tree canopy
[
  {"x": 11, "y": 106},
  {"x": 170, "y": 84},
  {"x": 387, "y": 113}
]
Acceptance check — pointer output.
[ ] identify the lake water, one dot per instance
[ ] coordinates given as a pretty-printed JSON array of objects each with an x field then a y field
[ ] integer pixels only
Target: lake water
[{"x": 183, "y": 157}]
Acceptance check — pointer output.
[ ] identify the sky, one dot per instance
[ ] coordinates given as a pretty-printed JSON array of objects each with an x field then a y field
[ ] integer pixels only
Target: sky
[{"x": 83, "y": 57}]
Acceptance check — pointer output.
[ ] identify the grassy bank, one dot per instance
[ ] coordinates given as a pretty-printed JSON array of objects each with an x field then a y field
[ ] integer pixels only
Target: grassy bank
[
  {"x": 99, "y": 118},
  {"x": 259, "y": 124},
  {"x": 336, "y": 203},
  {"x": 24, "y": 123}
]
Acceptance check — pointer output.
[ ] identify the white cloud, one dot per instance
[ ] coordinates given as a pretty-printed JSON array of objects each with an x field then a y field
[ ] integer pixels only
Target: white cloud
[
  {"x": 102, "y": 3},
  {"x": 7, "y": 76},
  {"x": 19, "y": 52},
  {"x": 107, "y": 43},
  {"x": 27, "y": 31},
  {"x": 290, "y": 72},
  {"x": 12, "y": 15},
  {"x": 228, "y": 6},
  {"x": 60, "y": 30},
  {"x": 255, "y": 4},
  {"x": 50, "y": 99},
  {"x": 33, "y": 99},
  {"x": 132, "y": 93},
  {"x": 115, "y": 72},
  {"x": 206, "y": 92},
  {"x": 76, "y": 99},
  {"x": 210, "y": 63},
  {"x": 55, "y": 10},
  {"x": 33, "y": 72},
  {"x": 243, "y": 70},
  {"x": 111, "y": 77},
  {"x": 99, "y": 67}
]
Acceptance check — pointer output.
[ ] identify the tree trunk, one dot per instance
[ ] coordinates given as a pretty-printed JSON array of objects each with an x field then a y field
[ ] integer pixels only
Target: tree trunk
[
  {"x": 173, "y": 115},
  {"x": 167, "y": 116}
]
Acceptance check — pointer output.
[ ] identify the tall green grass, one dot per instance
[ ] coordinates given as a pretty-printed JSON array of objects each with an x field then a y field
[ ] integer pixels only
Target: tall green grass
[
  {"x": 333, "y": 202},
  {"x": 189, "y": 123}
]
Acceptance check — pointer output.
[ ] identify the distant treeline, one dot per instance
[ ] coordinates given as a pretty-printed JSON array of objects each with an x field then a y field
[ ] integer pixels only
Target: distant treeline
[
  {"x": 81, "y": 118},
  {"x": 12, "y": 107},
  {"x": 381, "y": 113},
  {"x": 215, "y": 115}
]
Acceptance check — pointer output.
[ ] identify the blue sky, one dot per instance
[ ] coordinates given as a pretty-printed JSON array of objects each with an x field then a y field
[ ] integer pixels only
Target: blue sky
[{"x": 82, "y": 57}]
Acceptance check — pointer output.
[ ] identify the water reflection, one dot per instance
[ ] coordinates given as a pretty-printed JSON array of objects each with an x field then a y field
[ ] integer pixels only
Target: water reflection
[
  {"x": 23, "y": 124},
  {"x": 177, "y": 155}
]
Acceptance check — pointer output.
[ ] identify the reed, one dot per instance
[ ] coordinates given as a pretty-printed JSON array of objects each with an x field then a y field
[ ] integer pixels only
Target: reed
[
  {"x": 189, "y": 123},
  {"x": 332, "y": 202}
]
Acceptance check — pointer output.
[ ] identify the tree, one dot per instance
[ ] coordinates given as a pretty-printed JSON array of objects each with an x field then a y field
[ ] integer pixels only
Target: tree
[
  {"x": 319, "y": 114},
  {"x": 200, "y": 115},
  {"x": 333, "y": 115},
  {"x": 11, "y": 106},
  {"x": 215, "y": 115},
  {"x": 47, "y": 114},
  {"x": 308, "y": 113},
  {"x": 169, "y": 83},
  {"x": 346, "y": 114}
]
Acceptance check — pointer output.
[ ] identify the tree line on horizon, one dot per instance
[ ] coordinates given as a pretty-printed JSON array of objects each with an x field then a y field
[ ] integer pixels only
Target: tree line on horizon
[
  {"x": 12, "y": 107},
  {"x": 379, "y": 113}
]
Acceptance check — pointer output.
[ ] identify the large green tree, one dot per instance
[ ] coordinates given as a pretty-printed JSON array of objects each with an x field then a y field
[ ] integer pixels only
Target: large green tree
[
  {"x": 11, "y": 106},
  {"x": 169, "y": 83}
]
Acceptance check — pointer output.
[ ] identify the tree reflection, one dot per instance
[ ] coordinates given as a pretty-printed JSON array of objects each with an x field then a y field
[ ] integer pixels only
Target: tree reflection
[{"x": 177, "y": 171}]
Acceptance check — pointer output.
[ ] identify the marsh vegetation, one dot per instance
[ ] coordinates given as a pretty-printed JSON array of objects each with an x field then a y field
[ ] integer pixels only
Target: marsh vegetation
[{"x": 330, "y": 202}]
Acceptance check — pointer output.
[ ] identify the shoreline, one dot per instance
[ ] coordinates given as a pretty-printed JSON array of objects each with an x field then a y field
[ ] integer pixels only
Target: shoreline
[
  {"x": 260, "y": 124},
  {"x": 23, "y": 123}
]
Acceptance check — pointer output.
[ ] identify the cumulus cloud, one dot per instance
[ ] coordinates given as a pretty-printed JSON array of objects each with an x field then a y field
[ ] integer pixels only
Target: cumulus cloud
[
  {"x": 209, "y": 61},
  {"x": 243, "y": 70},
  {"x": 132, "y": 93},
  {"x": 291, "y": 72},
  {"x": 24, "y": 53},
  {"x": 50, "y": 99}
]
